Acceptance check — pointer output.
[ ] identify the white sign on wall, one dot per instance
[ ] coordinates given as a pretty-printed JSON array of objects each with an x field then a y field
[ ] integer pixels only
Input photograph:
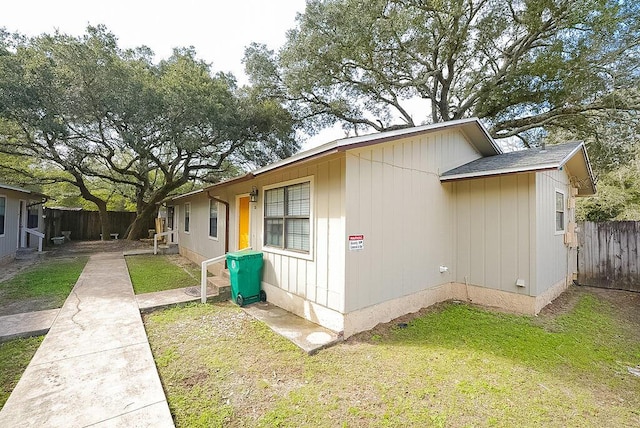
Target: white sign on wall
[{"x": 356, "y": 242}]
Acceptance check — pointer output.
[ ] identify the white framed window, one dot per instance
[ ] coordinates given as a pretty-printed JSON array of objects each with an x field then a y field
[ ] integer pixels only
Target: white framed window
[
  {"x": 287, "y": 217},
  {"x": 3, "y": 210},
  {"x": 170, "y": 216},
  {"x": 213, "y": 219},
  {"x": 560, "y": 211},
  {"x": 187, "y": 216}
]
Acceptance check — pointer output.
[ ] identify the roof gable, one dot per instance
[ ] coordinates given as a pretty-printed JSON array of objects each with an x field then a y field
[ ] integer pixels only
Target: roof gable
[{"x": 473, "y": 130}]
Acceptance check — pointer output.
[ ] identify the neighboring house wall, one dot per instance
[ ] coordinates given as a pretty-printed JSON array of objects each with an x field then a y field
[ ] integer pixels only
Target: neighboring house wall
[
  {"x": 9, "y": 240},
  {"x": 196, "y": 244}
]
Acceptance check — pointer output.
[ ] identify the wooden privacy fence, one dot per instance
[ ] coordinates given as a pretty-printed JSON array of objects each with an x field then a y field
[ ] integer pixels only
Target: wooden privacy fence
[
  {"x": 85, "y": 225},
  {"x": 608, "y": 254}
]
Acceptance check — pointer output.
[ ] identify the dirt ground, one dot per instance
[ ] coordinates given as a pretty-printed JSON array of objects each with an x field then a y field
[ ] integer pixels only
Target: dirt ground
[{"x": 28, "y": 259}]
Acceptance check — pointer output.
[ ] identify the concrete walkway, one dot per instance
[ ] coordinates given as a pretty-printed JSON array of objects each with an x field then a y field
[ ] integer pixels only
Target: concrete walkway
[
  {"x": 306, "y": 335},
  {"x": 27, "y": 324},
  {"x": 94, "y": 367}
]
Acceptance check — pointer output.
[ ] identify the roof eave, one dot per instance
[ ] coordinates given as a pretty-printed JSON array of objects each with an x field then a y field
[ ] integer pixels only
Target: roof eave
[
  {"x": 25, "y": 191},
  {"x": 587, "y": 164},
  {"x": 494, "y": 172}
]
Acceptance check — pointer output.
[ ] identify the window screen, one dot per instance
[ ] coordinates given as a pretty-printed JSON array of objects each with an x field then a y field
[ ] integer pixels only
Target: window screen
[
  {"x": 287, "y": 217},
  {"x": 559, "y": 212}
]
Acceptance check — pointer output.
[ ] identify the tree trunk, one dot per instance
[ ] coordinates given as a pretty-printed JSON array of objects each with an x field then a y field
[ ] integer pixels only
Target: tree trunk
[
  {"x": 140, "y": 226},
  {"x": 105, "y": 224}
]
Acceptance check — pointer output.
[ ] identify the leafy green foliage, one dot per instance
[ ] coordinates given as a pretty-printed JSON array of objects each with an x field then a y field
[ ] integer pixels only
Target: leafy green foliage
[
  {"x": 618, "y": 196},
  {"x": 522, "y": 65},
  {"x": 110, "y": 121}
]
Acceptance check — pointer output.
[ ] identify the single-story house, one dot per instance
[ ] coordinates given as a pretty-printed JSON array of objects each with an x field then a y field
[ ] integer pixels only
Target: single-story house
[
  {"x": 362, "y": 230},
  {"x": 20, "y": 220}
]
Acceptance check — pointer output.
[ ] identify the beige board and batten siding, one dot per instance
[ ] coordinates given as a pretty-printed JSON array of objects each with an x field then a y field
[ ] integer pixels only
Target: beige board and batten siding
[
  {"x": 555, "y": 262},
  {"x": 318, "y": 276},
  {"x": 310, "y": 285},
  {"x": 495, "y": 232},
  {"x": 395, "y": 199},
  {"x": 289, "y": 278}
]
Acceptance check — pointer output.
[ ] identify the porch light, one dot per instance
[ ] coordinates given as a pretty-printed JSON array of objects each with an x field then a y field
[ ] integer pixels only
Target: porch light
[{"x": 253, "y": 196}]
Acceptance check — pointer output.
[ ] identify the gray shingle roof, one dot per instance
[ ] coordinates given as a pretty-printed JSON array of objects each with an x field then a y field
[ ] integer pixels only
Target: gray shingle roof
[{"x": 519, "y": 161}]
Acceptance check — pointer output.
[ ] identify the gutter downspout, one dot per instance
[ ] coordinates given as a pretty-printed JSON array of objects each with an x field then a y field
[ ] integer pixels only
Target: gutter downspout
[{"x": 226, "y": 223}]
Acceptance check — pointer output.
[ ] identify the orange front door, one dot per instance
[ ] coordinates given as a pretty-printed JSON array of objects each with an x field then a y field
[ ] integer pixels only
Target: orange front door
[{"x": 243, "y": 222}]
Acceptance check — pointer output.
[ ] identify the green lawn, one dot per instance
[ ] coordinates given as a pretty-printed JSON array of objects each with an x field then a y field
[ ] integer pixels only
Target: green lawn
[
  {"x": 161, "y": 272},
  {"x": 14, "y": 359},
  {"x": 453, "y": 366},
  {"x": 51, "y": 280}
]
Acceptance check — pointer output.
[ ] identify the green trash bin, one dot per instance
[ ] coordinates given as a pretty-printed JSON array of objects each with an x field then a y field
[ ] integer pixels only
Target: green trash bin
[{"x": 245, "y": 269}]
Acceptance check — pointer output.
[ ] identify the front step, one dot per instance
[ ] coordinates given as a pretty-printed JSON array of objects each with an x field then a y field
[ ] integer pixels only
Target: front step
[
  {"x": 222, "y": 285},
  {"x": 168, "y": 249}
]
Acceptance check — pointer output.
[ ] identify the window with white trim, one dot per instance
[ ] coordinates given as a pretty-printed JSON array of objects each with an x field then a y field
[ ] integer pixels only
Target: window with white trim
[
  {"x": 287, "y": 212},
  {"x": 187, "y": 215},
  {"x": 3, "y": 208},
  {"x": 170, "y": 213},
  {"x": 213, "y": 218},
  {"x": 560, "y": 210}
]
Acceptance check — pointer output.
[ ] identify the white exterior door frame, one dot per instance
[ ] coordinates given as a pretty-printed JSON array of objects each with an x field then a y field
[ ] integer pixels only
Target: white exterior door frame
[{"x": 22, "y": 224}]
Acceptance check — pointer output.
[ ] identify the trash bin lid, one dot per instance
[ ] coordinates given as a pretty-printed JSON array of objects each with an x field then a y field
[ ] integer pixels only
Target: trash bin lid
[{"x": 244, "y": 254}]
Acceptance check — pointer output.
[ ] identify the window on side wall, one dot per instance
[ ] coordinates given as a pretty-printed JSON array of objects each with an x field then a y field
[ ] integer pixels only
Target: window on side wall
[
  {"x": 213, "y": 219},
  {"x": 3, "y": 207},
  {"x": 287, "y": 212},
  {"x": 170, "y": 214},
  {"x": 187, "y": 215},
  {"x": 560, "y": 210}
]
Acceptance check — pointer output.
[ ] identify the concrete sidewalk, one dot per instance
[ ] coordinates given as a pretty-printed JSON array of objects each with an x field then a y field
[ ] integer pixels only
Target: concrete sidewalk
[
  {"x": 94, "y": 367},
  {"x": 27, "y": 324}
]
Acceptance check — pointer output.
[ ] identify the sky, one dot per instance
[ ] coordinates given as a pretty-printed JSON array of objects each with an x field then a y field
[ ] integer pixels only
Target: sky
[{"x": 219, "y": 30}]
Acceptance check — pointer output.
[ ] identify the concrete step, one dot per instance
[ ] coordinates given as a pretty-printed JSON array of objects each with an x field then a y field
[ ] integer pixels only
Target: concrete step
[
  {"x": 168, "y": 249},
  {"x": 223, "y": 287}
]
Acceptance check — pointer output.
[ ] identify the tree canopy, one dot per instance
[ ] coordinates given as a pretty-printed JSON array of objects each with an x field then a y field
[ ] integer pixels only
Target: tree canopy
[
  {"x": 527, "y": 67},
  {"x": 83, "y": 111}
]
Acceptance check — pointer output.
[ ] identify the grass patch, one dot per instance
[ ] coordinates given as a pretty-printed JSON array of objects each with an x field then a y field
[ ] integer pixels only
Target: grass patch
[
  {"x": 161, "y": 272},
  {"x": 52, "y": 279},
  {"x": 455, "y": 365},
  {"x": 15, "y": 356}
]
